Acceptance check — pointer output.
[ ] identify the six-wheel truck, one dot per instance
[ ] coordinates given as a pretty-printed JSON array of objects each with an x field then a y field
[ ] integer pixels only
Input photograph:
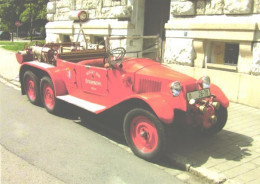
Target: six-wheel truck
[{"x": 101, "y": 78}]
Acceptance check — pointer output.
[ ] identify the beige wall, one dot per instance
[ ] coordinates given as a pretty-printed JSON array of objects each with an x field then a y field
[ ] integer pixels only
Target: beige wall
[{"x": 238, "y": 87}]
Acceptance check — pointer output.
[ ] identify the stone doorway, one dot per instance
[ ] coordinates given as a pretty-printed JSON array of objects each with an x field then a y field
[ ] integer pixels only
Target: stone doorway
[{"x": 157, "y": 13}]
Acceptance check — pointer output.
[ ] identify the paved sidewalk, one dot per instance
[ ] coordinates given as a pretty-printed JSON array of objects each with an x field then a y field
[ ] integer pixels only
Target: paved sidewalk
[
  {"x": 9, "y": 67},
  {"x": 233, "y": 153},
  {"x": 231, "y": 156}
]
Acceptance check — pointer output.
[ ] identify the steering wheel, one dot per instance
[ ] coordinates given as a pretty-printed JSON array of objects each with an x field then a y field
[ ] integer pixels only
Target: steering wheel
[{"x": 117, "y": 53}]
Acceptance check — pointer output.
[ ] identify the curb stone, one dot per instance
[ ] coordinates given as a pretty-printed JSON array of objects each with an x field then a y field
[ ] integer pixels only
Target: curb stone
[{"x": 208, "y": 175}]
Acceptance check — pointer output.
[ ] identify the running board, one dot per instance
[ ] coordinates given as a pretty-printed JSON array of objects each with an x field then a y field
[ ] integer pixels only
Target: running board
[{"x": 92, "y": 107}]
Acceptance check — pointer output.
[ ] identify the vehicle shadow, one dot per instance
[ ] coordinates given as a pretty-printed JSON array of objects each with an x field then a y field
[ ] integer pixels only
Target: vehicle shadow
[
  {"x": 196, "y": 150},
  {"x": 192, "y": 148}
]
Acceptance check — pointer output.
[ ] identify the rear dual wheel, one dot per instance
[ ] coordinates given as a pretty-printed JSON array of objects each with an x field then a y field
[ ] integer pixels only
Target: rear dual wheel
[
  {"x": 145, "y": 134},
  {"x": 48, "y": 95},
  {"x": 31, "y": 87}
]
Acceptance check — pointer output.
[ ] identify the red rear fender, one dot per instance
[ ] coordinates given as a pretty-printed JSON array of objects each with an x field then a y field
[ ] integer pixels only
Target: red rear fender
[{"x": 43, "y": 69}]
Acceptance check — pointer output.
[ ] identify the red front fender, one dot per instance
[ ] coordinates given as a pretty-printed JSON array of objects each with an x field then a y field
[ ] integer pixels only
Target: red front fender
[{"x": 163, "y": 105}]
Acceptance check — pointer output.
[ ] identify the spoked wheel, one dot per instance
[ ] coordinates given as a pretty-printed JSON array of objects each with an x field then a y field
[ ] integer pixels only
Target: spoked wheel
[
  {"x": 48, "y": 95},
  {"x": 31, "y": 87},
  {"x": 145, "y": 134}
]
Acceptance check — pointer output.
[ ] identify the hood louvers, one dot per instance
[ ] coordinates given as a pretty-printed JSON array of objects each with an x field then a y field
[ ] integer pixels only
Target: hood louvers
[{"x": 147, "y": 85}]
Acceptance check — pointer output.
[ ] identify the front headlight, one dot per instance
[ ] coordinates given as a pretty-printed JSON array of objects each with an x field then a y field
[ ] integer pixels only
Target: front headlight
[
  {"x": 205, "y": 82},
  {"x": 176, "y": 88}
]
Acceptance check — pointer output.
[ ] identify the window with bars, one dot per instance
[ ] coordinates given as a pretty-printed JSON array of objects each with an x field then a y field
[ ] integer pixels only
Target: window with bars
[{"x": 224, "y": 53}]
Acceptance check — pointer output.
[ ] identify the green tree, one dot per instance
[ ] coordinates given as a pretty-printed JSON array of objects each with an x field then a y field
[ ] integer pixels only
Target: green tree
[
  {"x": 28, "y": 12},
  {"x": 35, "y": 14},
  {"x": 10, "y": 11}
]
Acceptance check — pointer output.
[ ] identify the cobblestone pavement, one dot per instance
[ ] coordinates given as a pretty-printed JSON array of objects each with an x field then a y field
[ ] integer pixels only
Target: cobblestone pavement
[{"x": 231, "y": 156}]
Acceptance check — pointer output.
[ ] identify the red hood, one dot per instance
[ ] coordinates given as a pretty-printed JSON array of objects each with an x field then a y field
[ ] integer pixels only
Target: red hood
[
  {"x": 148, "y": 67},
  {"x": 149, "y": 72},
  {"x": 134, "y": 65}
]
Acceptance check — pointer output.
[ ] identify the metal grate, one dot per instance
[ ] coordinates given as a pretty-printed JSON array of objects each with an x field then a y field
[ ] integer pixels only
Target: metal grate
[{"x": 147, "y": 85}]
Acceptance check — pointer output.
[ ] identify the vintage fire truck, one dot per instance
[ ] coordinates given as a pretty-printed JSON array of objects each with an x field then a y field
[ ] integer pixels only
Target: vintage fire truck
[{"x": 96, "y": 80}]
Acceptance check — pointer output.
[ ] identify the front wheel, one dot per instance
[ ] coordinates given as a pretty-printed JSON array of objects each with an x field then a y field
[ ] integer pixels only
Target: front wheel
[
  {"x": 222, "y": 116},
  {"x": 145, "y": 134},
  {"x": 48, "y": 95}
]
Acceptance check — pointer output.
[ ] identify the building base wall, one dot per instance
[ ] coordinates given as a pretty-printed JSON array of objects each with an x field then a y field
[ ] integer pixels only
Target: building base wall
[{"x": 238, "y": 87}]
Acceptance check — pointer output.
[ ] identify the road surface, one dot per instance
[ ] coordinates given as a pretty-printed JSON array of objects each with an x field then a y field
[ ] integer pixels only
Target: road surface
[{"x": 67, "y": 150}]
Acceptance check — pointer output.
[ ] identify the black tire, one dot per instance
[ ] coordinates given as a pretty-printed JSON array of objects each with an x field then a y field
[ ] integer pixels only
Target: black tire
[
  {"x": 153, "y": 133},
  {"x": 48, "y": 97},
  {"x": 31, "y": 87},
  {"x": 222, "y": 115}
]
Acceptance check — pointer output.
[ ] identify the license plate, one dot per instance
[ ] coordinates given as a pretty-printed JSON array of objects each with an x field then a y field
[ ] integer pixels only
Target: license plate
[{"x": 198, "y": 94}]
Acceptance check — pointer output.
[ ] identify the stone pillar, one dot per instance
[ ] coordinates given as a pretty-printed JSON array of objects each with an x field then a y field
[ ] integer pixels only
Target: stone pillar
[
  {"x": 245, "y": 58},
  {"x": 198, "y": 46},
  {"x": 255, "y": 68}
]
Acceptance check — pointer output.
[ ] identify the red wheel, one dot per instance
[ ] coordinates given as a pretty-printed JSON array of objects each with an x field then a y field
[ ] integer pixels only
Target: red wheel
[
  {"x": 31, "y": 87},
  {"x": 145, "y": 134},
  {"x": 222, "y": 116},
  {"x": 48, "y": 95}
]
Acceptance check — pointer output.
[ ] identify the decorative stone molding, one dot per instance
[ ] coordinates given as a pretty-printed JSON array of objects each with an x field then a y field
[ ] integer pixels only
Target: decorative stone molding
[
  {"x": 256, "y": 6},
  {"x": 179, "y": 51},
  {"x": 179, "y": 8},
  {"x": 200, "y": 7},
  {"x": 214, "y": 7},
  {"x": 238, "y": 7},
  {"x": 215, "y": 28},
  {"x": 255, "y": 68},
  {"x": 51, "y": 7}
]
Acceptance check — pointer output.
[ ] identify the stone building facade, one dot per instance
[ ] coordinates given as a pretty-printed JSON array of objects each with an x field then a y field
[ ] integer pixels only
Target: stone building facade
[{"x": 220, "y": 38}]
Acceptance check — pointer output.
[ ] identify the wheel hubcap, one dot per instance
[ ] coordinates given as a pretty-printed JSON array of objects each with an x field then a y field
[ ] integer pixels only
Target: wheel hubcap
[
  {"x": 30, "y": 87},
  {"x": 144, "y": 134},
  {"x": 48, "y": 96}
]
